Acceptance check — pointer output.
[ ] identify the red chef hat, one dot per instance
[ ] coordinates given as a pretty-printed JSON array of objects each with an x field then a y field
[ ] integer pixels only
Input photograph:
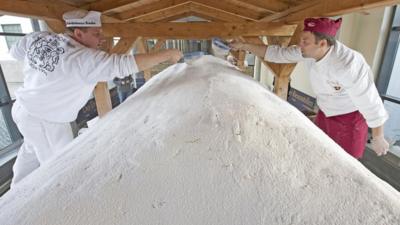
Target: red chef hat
[{"x": 322, "y": 25}]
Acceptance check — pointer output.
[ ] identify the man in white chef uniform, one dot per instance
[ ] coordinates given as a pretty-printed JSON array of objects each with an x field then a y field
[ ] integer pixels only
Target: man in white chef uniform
[
  {"x": 342, "y": 81},
  {"x": 60, "y": 73}
]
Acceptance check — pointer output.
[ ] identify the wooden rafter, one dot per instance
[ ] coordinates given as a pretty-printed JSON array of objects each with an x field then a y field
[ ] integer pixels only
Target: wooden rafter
[
  {"x": 200, "y": 30},
  {"x": 189, "y": 9},
  {"x": 41, "y": 9},
  {"x": 141, "y": 47},
  {"x": 272, "y": 6},
  {"x": 283, "y": 77},
  {"x": 123, "y": 46},
  {"x": 153, "y": 8},
  {"x": 277, "y": 16},
  {"x": 38, "y": 10},
  {"x": 334, "y": 8},
  {"x": 160, "y": 15},
  {"x": 107, "y": 5},
  {"x": 187, "y": 14},
  {"x": 215, "y": 13},
  {"x": 101, "y": 92},
  {"x": 227, "y": 7}
]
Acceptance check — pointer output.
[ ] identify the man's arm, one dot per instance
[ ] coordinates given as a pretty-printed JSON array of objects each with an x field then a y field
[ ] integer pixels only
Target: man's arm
[
  {"x": 148, "y": 60},
  {"x": 271, "y": 53},
  {"x": 258, "y": 50}
]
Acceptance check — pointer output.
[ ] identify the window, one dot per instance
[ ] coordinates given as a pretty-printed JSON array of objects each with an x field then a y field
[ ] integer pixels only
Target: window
[
  {"x": 389, "y": 83},
  {"x": 11, "y": 28},
  {"x": 8, "y": 130}
]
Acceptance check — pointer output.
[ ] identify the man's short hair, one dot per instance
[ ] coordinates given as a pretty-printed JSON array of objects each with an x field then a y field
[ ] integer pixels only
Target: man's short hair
[{"x": 320, "y": 36}]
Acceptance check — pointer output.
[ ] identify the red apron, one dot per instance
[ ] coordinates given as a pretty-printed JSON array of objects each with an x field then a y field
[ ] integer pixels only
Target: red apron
[{"x": 349, "y": 130}]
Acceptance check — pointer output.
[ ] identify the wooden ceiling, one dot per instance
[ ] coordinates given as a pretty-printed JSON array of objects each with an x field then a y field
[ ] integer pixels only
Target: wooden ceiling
[{"x": 225, "y": 18}]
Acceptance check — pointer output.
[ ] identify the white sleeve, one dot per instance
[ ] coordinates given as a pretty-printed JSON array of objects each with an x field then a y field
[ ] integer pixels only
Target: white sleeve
[
  {"x": 360, "y": 86},
  {"x": 19, "y": 49},
  {"x": 278, "y": 54},
  {"x": 96, "y": 65}
]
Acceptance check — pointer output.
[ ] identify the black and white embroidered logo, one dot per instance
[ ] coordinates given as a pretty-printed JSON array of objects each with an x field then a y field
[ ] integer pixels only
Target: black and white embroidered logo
[{"x": 44, "y": 53}]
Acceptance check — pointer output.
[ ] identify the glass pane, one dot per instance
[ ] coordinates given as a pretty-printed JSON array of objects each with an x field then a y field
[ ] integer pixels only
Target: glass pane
[
  {"x": 5, "y": 138},
  {"x": 394, "y": 82},
  {"x": 392, "y": 127},
  {"x": 13, "y": 75},
  {"x": 12, "y": 28}
]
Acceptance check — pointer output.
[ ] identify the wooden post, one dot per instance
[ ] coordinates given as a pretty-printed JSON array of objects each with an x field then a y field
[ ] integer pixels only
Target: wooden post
[
  {"x": 281, "y": 86},
  {"x": 101, "y": 92},
  {"x": 240, "y": 57},
  {"x": 141, "y": 46}
]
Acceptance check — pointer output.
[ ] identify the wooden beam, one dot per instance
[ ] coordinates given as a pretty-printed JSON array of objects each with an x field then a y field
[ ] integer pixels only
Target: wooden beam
[
  {"x": 200, "y": 30},
  {"x": 37, "y": 10},
  {"x": 55, "y": 26},
  {"x": 271, "y": 5},
  {"x": 107, "y": 5},
  {"x": 282, "y": 79},
  {"x": 156, "y": 9},
  {"x": 228, "y": 7},
  {"x": 274, "y": 67},
  {"x": 160, "y": 15},
  {"x": 123, "y": 46},
  {"x": 281, "y": 72},
  {"x": 291, "y": 10},
  {"x": 141, "y": 47},
  {"x": 216, "y": 13},
  {"x": 101, "y": 92},
  {"x": 334, "y": 8},
  {"x": 41, "y": 9},
  {"x": 240, "y": 57}
]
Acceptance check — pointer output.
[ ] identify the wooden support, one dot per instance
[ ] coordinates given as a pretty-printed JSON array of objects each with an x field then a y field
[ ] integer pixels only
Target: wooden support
[
  {"x": 55, "y": 26},
  {"x": 123, "y": 46},
  {"x": 282, "y": 14},
  {"x": 41, "y": 9},
  {"x": 102, "y": 99},
  {"x": 281, "y": 71},
  {"x": 327, "y": 8},
  {"x": 283, "y": 77},
  {"x": 200, "y": 30},
  {"x": 240, "y": 57},
  {"x": 101, "y": 92},
  {"x": 272, "y": 6},
  {"x": 215, "y": 13},
  {"x": 228, "y": 7},
  {"x": 281, "y": 86},
  {"x": 275, "y": 68},
  {"x": 154, "y": 11},
  {"x": 141, "y": 47},
  {"x": 107, "y": 5}
]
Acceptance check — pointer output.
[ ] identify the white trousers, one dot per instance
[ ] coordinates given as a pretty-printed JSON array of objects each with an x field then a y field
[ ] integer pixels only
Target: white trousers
[{"x": 42, "y": 139}]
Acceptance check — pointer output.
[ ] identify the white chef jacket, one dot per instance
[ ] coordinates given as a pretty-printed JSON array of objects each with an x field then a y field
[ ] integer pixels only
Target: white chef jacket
[
  {"x": 60, "y": 74},
  {"x": 341, "y": 80}
]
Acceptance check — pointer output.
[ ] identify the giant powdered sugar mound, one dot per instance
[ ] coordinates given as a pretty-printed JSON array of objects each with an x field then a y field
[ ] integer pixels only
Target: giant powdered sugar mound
[{"x": 202, "y": 144}]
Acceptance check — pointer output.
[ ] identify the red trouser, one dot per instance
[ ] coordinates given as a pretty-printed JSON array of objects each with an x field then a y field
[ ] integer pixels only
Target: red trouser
[{"x": 349, "y": 130}]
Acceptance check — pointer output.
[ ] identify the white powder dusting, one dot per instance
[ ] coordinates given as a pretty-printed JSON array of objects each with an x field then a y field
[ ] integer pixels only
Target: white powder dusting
[{"x": 202, "y": 144}]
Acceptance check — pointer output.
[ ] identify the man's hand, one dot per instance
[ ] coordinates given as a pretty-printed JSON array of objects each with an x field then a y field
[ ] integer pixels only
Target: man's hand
[
  {"x": 380, "y": 145},
  {"x": 174, "y": 55}
]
